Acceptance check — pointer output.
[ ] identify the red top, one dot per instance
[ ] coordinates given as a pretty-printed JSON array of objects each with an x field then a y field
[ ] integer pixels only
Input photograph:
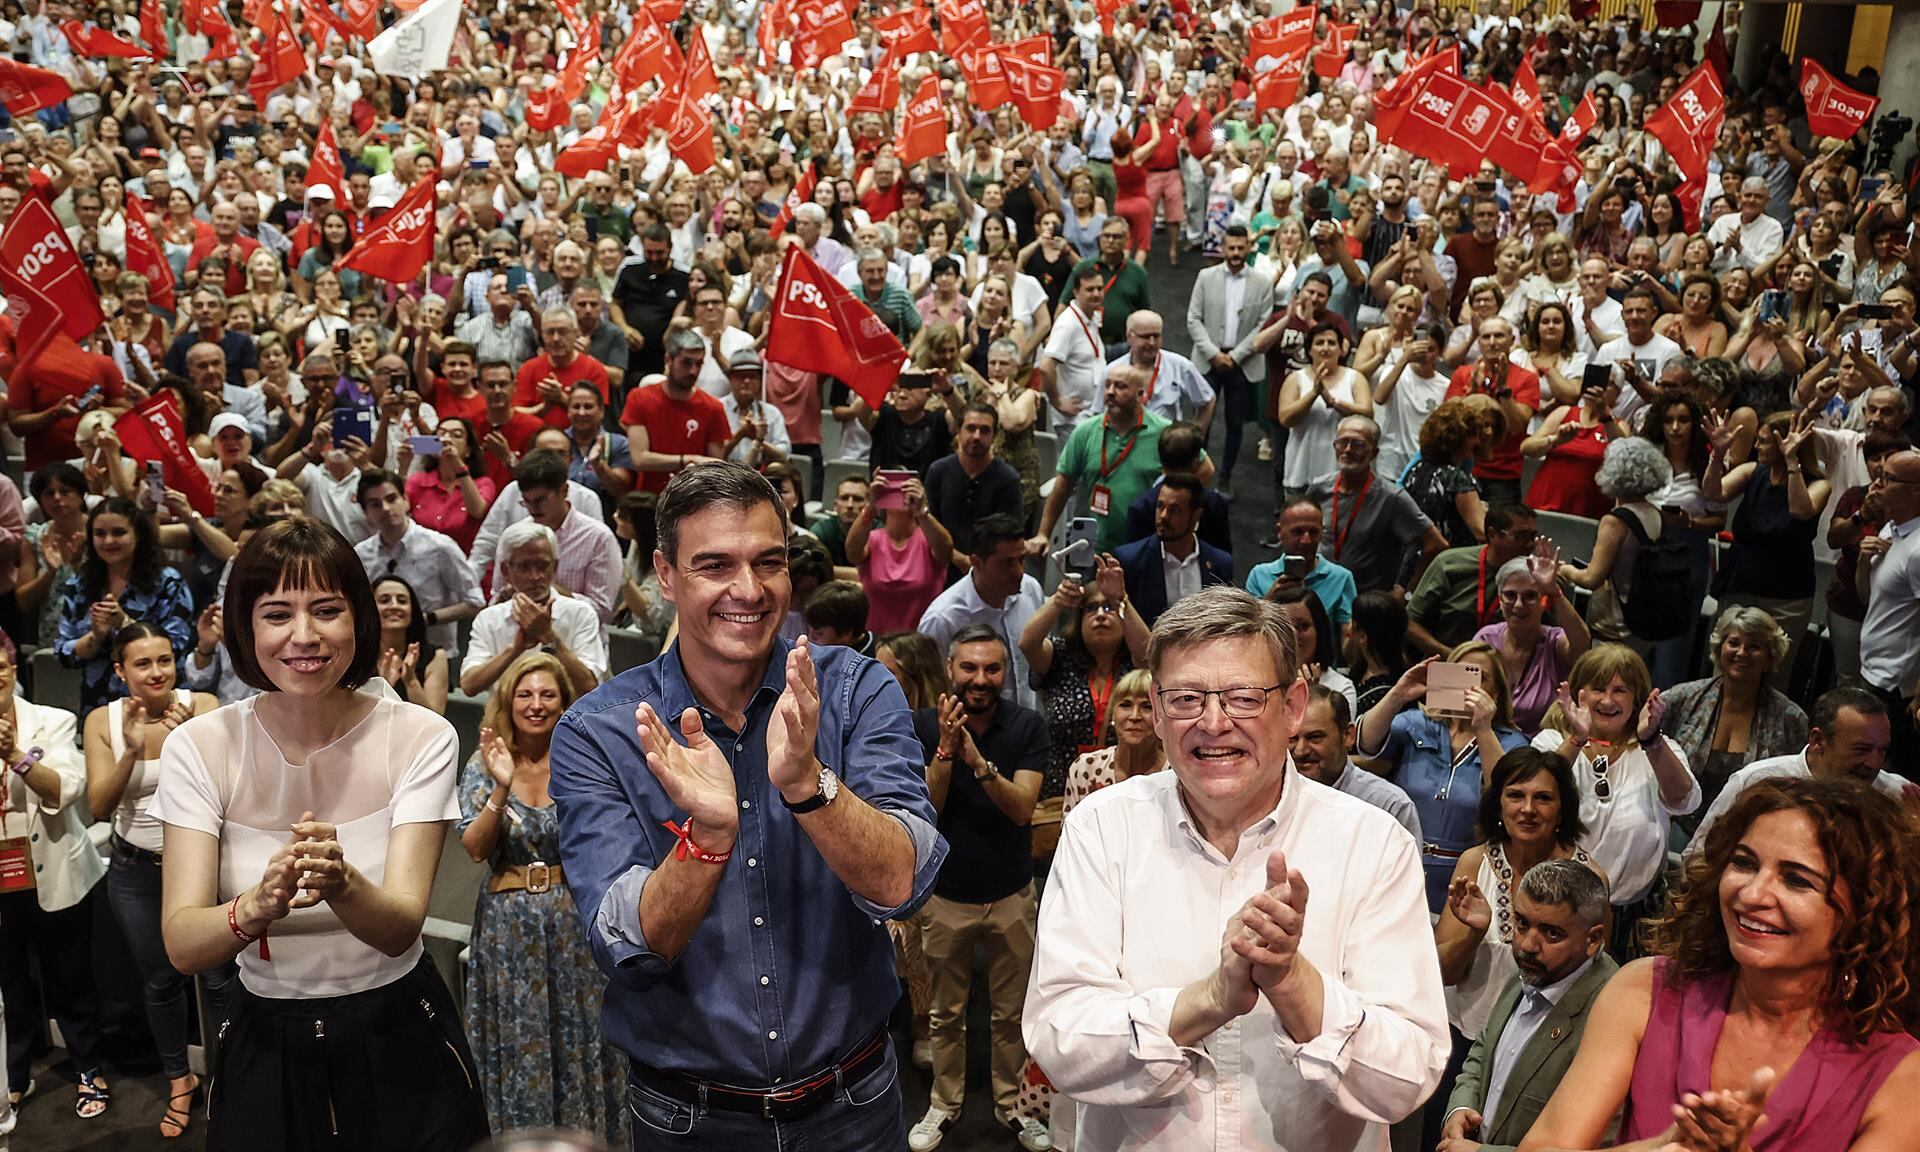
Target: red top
[
  {"x": 236, "y": 267},
  {"x": 62, "y": 370},
  {"x": 526, "y": 385},
  {"x": 1166, "y": 154},
  {"x": 1129, "y": 179},
  {"x": 880, "y": 205},
  {"x": 443, "y": 509},
  {"x": 519, "y": 432},
  {"x": 1565, "y": 481},
  {"x": 472, "y": 408},
  {"x": 1504, "y": 464},
  {"x": 695, "y": 426}
]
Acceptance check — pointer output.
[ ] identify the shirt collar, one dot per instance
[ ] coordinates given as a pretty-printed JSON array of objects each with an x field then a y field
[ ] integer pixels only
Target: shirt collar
[
  {"x": 1262, "y": 828},
  {"x": 1902, "y": 531},
  {"x": 1557, "y": 991},
  {"x": 1172, "y": 561},
  {"x": 676, "y": 693}
]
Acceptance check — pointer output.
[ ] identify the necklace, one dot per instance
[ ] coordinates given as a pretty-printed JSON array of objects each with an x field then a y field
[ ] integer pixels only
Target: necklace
[{"x": 1503, "y": 898}]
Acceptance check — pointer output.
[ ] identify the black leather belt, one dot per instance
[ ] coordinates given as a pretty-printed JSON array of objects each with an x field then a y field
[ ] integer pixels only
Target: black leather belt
[
  {"x": 137, "y": 855},
  {"x": 787, "y": 1103}
]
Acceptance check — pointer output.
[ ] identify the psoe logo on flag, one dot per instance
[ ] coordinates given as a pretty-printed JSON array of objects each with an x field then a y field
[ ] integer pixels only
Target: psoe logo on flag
[
  {"x": 801, "y": 294},
  {"x": 411, "y": 224}
]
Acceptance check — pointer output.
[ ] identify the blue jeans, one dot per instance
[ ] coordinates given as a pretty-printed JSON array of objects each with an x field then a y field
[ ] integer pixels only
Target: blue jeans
[
  {"x": 133, "y": 891},
  {"x": 863, "y": 1115}
]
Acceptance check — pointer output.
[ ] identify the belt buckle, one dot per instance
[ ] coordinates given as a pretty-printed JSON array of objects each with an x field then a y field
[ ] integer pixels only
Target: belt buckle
[
  {"x": 783, "y": 1096},
  {"x": 545, "y": 882}
]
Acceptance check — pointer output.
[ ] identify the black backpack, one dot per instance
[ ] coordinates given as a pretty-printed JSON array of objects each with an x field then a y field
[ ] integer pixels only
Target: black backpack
[{"x": 1662, "y": 605}]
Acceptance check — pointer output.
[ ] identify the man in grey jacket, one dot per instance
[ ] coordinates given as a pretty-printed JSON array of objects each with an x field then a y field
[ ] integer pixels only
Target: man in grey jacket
[{"x": 1229, "y": 303}]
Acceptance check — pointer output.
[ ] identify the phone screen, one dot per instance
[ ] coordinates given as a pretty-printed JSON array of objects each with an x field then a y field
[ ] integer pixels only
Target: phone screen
[{"x": 1083, "y": 538}]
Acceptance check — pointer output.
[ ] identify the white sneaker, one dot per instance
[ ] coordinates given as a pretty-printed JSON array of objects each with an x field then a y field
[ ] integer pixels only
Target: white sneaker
[
  {"x": 926, "y": 1135},
  {"x": 1266, "y": 448},
  {"x": 1032, "y": 1134},
  {"x": 923, "y": 1054}
]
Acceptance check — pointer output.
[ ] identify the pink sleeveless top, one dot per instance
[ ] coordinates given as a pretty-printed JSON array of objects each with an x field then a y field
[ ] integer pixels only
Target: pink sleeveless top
[{"x": 1816, "y": 1108}]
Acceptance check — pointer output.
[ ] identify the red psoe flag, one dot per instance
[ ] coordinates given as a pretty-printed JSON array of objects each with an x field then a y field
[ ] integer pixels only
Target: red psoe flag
[
  {"x": 800, "y": 193},
  {"x": 1526, "y": 88},
  {"x": 25, "y": 89},
  {"x": 1279, "y": 87},
  {"x": 698, "y": 82},
  {"x": 596, "y": 148},
  {"x": 690, "y": 131},
  {"x": 825, "y": 25},
  {"x": 221, "y": 42},
  {"x": 153, "y": 431},
  {"x": 546, "y": 109},
  {"x": 400, "y": 243},
  {"x": 925, "y": 132},
  {"x": 905, "y": 32},
  {"x": 145, "y": 257},
  {"x": 1036, "y": 89},
  {"x": 1833, "y": 109},
  {"x": 1687, "y": 126},
  {"x": 1675, "y": 13},
  {"x": 92, "y": 40},
  {"x": 1451, "y": 122},
  {"x": 1520, "y": 146},
  {"x": 325, "y": 167},
  {"x": 819, "y": 326},
  {"x": 987, "y": 86},
  {"x": 362, "y": 17},
  {"x": 880, "y": 94},
  {"x": 281, "y": 57},
  {"x": 1390, "y": 104},
  {"x": 962, "y": 22},
  {"x": 1331, "y": 56},
  {"x": 650, "y": 52},
  {"x": 153, "y": 28},
  {"x": 48, "y": 290}
]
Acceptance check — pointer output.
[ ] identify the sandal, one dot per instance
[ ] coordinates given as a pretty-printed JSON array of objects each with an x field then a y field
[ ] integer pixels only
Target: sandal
[
  {"x": 93, "y": 1097},
  {"x": 14, "y": 1099},
  {"x": 178, "y": 1116}
]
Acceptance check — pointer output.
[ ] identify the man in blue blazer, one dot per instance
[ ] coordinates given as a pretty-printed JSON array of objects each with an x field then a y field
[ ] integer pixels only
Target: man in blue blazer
[{"x": 1173, "y": 562}]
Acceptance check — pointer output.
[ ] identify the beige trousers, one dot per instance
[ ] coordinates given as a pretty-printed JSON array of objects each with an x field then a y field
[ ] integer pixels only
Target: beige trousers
[{"x": 948, "y": 936}]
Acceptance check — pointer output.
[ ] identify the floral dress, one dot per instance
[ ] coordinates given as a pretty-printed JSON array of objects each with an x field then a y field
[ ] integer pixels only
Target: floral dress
[{"x": 533, "y": 990}]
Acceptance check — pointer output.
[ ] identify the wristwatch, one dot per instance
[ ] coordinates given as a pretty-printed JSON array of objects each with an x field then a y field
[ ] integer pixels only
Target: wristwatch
[
  {"x": 829, "y": 788},
  {"x": 986, "y": 771}
]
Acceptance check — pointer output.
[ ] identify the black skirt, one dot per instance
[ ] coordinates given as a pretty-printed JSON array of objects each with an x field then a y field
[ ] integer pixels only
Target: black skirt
[{"x": 385, "y": 1069}]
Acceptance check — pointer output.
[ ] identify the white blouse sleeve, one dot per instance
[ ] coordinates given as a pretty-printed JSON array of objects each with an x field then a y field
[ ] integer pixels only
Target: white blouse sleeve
[
  {"x": 186, "y": 796},
  {"x": 424, "y": 792}
]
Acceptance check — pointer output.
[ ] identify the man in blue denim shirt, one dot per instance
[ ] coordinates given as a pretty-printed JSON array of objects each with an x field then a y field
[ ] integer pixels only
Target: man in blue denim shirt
[{"x": 751, "y": 994}]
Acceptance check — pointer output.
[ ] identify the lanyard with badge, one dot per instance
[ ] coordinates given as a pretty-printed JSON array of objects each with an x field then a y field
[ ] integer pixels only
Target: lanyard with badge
[
  {"x": 1102, "y": 500},
  {"x": 16, "y": 852},
  {"x": 1340, "y": 534}
]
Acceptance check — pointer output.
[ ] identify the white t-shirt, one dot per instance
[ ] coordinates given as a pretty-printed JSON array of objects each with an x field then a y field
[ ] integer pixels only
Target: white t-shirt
[
  {"x": 1606, "y": 317},
  {"x": 1028, "y": 296},
  {"x": 1413, "y": 399},
  {"x": 133, "y": 817},
  {"x": 222, "y": 774},
  {"x": 713, "y": 378},
  {"x": 1627, "y": 833},
  {"x": 1651, "y": 358},
  {"x": 1080, "y": 363}
]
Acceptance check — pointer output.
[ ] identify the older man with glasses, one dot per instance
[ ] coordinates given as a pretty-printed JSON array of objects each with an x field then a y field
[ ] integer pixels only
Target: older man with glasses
[
  {"x": 1371, "y": 521},
  {"x": 1282, "y": 1041}
]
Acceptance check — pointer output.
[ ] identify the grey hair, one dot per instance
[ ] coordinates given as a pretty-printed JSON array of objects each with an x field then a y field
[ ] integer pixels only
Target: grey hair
[
  {"x": 1633, "y": 467},
  {"x": 694, "y": 490},
  {"x": 378, "y": 333},
  {"x": 559, "y": 315},
  {"x": 1521, "y": 566},
  {"x": 1567, "y": 884},
  {"x": 978, "y": 634},
  {"x": 569, "y": 248},
  {"x": 1754, "y": 623},
  {"x": 683, "y": 340},
  {"x": 810, "y": 212},
  {"x": 1141, "y": 314},
  {"x": 888, "y": 235},
  {"x": 1366, "y": 424},
  {"x": 1005, "y": 347},
  {"x": 1224, "y": 612},
  {"x": 433, "y": 298},
  {"x": 866, "y": 254},
  {"x": 1899, "y": 395},
  {"x": 1755, "y": 184},
  {"x": 521, "y": 533}
]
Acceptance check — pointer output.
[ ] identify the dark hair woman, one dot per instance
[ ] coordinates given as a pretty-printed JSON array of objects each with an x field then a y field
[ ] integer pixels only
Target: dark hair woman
[
  {"x": 341, "y": 1029},
  {"x": 122, "y": 578}
]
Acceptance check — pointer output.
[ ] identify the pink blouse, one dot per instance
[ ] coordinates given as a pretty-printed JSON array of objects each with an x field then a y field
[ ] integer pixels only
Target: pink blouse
[
  {"x": 900, "y": 579},
  {"x": 442, "y": 508}
]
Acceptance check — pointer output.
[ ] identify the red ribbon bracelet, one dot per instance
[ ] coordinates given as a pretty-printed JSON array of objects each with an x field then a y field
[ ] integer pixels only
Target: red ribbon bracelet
[{"x": 688, "y": 848}]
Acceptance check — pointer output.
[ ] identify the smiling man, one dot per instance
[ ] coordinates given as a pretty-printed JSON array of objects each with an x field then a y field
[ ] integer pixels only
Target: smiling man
[
  {"x": 734, "y": 818},
  {"x": 1293, "y": 1036}
]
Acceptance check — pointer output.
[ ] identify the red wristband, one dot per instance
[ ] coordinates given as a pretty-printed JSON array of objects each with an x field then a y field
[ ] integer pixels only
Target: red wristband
[
  {"x": 233, "y": 922},
  {"x": 688, "y": 848}
]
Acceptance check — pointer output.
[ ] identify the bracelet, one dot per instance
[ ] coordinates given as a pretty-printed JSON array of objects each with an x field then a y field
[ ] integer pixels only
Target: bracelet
[
  {"x": 233, "y": 922},
  {"x": 495, "y": 808},
  {"x": 32, "y": 757},
  {"x": 688, "y": 848}
]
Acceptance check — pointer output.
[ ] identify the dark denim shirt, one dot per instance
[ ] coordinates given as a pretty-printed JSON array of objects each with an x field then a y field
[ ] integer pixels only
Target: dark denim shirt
[{"x": 790, "y": 968}]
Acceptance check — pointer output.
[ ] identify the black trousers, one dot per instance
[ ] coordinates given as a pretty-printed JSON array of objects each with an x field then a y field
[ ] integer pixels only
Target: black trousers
[
  {"x": 63, "y": 941},
  {"x": 389, "y": 1068},
  {"x": 1236, "y": 396}
]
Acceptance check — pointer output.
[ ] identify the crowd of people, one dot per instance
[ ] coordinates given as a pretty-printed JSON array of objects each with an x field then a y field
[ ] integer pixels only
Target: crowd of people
[{"x": 1519, "y": 751}]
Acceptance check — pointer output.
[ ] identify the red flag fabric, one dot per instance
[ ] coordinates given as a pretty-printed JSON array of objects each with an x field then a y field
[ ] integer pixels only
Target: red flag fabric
[
  {"x": 1689, "y": 123},
  {"x": 1526, "y": 88},
  {"x": 650, "y": 52},
  {"x": 1036, "y": 89},
  {"x": 1833, "y": 109},
  {"x": 801, "y": 192},
  {"x": 1263, "y": 40},
  {"x": 362, "y": 17},
  {"x": 987, "y": 86},
  {"x": 586, "y": 56},
  {"x": 1583, "y": 9},
  {"x": 153, "y": 27},
  {"x": 1450, "y": 122},
  {"x": 25, "y": 89},
  {"x": 924, "y": 133},
  {"x": 905, "y": 32},
  {"x": 1035, "y": 50},
  {"x": 596, "y": 148},
  {"x": 145, "y": 257},
  {"x": 1675, "y": 13},
  {"x": 1576, "y": 126},
  {"x": 962, "y": 22},
  {"x": 398, "y": 244},
  {"x": 1520, "y": 145},
  {"x": 326, "y": 167},
  {"x": 221, "y": 42},
  {"x": 1331, "y": 55},
  {"x": 1390, "y": 103},
  {"x": 664, "y": 11},
  {"x": 48, "y": 290},
  {"x": 546, "y": 109},
  {"x": 698, "y": 81},
  {"x": 152, "y": 430},
  {"x": 1715, "y": 50},
  {"x": 819, "y": 326},
  {"x": 1279, "y": 87},
  {"x": 825, "y": 25},
  {"x": 690, "y": 129},
  {"x": 281, "y": 57},
  {"x": 880, "y": 94},
  {"x": 92, "y": 40}
]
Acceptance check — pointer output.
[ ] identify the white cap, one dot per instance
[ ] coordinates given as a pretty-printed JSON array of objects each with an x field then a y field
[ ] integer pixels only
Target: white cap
[{"x": 225, "y": 421}]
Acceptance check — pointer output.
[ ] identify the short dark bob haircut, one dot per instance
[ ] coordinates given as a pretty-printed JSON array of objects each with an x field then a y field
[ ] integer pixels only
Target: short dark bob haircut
[
  {"x": 1519, "y": 766},
  {"x": 299, "y": 554}
]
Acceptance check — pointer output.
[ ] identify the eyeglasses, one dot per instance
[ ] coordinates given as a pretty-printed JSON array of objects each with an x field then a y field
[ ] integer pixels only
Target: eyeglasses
[
  {"x": 1238, "y": 703},
  {"x": 1102, "y": 609},
  {"x": 1602, "y": 790},
  {"x": 1351, "y": 443},
  {"x": 1520, "y": 537}
]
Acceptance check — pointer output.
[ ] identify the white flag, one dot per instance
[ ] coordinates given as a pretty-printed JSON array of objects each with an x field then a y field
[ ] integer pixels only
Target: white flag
[{"x": 418, "y": 45}]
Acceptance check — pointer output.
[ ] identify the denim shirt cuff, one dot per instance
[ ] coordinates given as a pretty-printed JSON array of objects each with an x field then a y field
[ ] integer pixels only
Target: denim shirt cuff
[
  {"x": 929, "y": 851},
  {"x": 617, "y": 923}
]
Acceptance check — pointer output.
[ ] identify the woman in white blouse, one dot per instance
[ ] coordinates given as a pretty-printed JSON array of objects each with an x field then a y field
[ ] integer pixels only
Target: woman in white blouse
[
  {"x": 303, "y": 827},
  {"x": 48, "y": 868},
  {"x": 1633, "y": 780},
  {"x": 123, "y": 740}
]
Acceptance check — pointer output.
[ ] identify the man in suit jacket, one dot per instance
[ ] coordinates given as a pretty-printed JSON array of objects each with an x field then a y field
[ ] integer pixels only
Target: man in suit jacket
[
  {"x": 1229, "y": 303},
  {"x": 1173, "y": 562},
  {"x": 1559, "y": 930}
]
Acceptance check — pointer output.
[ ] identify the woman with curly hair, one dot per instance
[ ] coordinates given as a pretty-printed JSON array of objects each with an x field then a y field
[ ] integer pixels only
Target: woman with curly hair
[
  {"x": 1783, "y": 983},
  {"x": 1631, "y": 471},
  {"x": 1441, "y": 479}
]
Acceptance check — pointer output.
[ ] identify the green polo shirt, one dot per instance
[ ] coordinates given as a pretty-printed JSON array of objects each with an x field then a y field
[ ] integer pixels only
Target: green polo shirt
[
  {"x": 1126, "y": 295},
  {"x": 1128, "y": 473},
  {"x": 1447, "y": 600}
]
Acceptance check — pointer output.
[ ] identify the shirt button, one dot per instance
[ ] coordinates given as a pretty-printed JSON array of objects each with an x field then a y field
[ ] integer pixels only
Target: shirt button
[
  {"x": 773, "y": 1035},
  {"x": 746, "y": 803},
  {"x": 757, "y": 922},
  {"x": 765, "y": 981},
  {"x": 752, "y": 863}
]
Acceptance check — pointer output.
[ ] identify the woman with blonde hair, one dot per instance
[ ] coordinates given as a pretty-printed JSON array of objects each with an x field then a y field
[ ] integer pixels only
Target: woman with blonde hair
[
  {"x": 1443, "y": 759},
  {"x": 1606, "y": 721},
  {"x": 533, "y": 991},
  {"x": 1382, "y": 347},
  {"x": 1134, "y": 749}
]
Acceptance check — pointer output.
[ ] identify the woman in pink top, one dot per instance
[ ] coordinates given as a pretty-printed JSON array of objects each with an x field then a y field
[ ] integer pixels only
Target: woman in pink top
[
  {"x": 904, "y": 565},
  {"x": 452, "y": 493},
  {"x": 1777, "y": 1015}
]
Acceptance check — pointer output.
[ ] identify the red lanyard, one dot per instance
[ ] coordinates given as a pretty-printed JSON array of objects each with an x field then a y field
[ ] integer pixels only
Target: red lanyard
[
  {"x": 1480, "y": 591},
  {"x": 1099, "y": 349},
  {"x": 1339, "y": 533},
  {"x": 1115, "y": 278},
  {"x": 1102, "y": 695},
  {"x": 1106, "y": 426}
]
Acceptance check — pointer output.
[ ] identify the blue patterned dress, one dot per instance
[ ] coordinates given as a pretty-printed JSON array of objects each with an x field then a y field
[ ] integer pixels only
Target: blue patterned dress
[{"x": 533, "y": 990}]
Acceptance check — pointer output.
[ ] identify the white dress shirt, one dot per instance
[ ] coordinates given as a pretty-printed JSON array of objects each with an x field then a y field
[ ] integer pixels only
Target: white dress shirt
[
  {"x": 1134, "y": 913},
  {"x": 1627, "y": 832},
  {"x": 1794, "y": 767},
  {"x": 1178, "y": 391},
  {"x": 1535, "y": 1005},
  {"x": 575, "y": 623},
  {"x": 436, "y": 568},
  {"x": 1887, "y": 650},
  {"x": 1383, "y": 794},
  {"x": 1236, "y": 285},
  {"x": 508, "y": 509},
  {"x": 588, "y": 565},
  {"x": 1760, "y": 241},
  {"x": 961, "y": 605},
  {"x": 1182, "y": 577}
]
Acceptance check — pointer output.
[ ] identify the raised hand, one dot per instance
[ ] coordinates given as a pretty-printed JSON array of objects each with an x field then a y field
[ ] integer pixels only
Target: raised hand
[
  {"x": 1412, "y": 685},
  {"x": 1469, "y": 904},
  {"x": 1544, "y": 564},
  {"x": 1651, "y": 713},
  {"x": 1720, "y": 431},
  {"x": 1068, "y": 595},
  {"x": 1273, "y": 920},
  {"x": 208, "y": 629},
  {"x": 496, "y": 758},
  {"x": 1579, "y": 717},
  {"x": 319, "y": 860},
  {"x": 392, "y": 667},
  {"x": 1480, "y": 708},
  {"x": 791, "y": 764},
  {"x": 133, "y": 726},
  {"x": 1110, "y": 578},
  {"x": 693, "y": 772}
]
